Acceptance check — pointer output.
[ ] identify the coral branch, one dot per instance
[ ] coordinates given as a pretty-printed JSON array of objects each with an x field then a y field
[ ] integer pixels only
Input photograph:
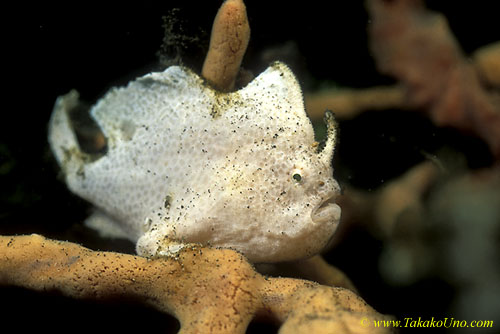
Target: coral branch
[
  {"x": 208, "y": 290},
  {"x": 228, "y": 43},
  {"x": 314, "y": 269},
  {"x": 348, "y": 103},
  {"x": 398, "y": 203},
  {"x": 487, "y": 61},
  {"x": 402, "y": 198},
  {"x": 416, "y": 46}
]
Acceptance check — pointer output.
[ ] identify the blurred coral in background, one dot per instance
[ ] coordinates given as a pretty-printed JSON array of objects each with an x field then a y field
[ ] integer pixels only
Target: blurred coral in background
[{"x": 441, "y": 218}]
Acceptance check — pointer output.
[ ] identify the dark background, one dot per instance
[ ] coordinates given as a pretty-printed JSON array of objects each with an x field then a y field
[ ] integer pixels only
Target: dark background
[{"x": 48, "y": 50}]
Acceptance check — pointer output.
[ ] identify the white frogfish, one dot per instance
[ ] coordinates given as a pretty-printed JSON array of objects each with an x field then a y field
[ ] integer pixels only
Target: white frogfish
[{"x": 188, "y": 164}]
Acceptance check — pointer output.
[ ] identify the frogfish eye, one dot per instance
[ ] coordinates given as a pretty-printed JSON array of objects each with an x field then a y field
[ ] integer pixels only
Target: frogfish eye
[{"x": 297, "y": 177}]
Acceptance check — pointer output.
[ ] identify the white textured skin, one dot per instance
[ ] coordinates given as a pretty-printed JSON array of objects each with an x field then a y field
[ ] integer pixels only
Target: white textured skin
[{"x": 188, "y": 164}]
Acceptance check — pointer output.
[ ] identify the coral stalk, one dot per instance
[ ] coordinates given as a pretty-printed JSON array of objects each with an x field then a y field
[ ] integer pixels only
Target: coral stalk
[{"x": 228, "y": 43}]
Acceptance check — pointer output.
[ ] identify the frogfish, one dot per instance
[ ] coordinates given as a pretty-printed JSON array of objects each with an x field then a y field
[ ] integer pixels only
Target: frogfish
[{"x": 187, "y": 164}]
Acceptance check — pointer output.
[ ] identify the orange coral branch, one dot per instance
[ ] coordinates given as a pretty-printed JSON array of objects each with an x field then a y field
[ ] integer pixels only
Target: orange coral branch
[
  {"x": 208, "y": 290},
  {"x": 315, "y": 269},
  {"x": 228, "y": 43}
]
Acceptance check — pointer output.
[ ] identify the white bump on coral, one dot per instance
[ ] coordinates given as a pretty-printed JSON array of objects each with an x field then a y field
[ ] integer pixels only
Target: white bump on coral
[{"x": 188, "y": 164}]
